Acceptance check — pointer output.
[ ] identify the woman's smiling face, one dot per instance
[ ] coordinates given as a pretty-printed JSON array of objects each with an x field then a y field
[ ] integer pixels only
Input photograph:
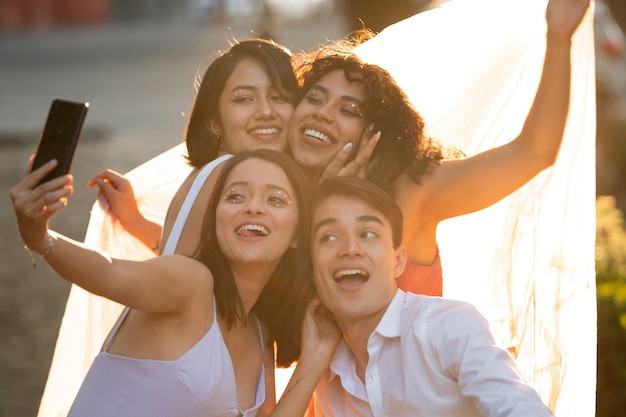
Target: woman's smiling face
[
  {"x": 329, "y": 116},
  {"x": 253, "y": 113},
  {"x": 257, "y": 216}
]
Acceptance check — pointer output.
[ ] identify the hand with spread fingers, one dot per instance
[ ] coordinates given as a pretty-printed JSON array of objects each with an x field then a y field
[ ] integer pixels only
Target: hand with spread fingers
[
  {"x": 35, "y": 205},
  {"x": 358, "y": 166}
]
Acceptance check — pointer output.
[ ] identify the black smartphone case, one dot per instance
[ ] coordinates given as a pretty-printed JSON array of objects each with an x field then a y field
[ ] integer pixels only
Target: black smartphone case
[{"x": 60, "y": 136}]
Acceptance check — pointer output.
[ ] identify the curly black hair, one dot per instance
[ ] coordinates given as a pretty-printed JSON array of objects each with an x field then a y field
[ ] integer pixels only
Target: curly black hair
[{"x": 403, "y": 147}]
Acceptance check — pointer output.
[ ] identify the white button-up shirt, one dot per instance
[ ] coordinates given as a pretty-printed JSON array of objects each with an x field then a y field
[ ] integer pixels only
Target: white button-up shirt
[{"x": 428, "y": 357}]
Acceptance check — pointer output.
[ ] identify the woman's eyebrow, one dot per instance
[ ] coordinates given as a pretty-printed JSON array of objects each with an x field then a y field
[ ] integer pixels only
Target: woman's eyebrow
[
  {"x": 325, "y": 90},
  {"x": 243, "y": 87}
]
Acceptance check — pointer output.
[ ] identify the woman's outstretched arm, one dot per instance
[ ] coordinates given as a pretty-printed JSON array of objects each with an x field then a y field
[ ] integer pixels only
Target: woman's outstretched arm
[
  {"x": 154, "y": 285},
  {"x": 458, "y": 187}
]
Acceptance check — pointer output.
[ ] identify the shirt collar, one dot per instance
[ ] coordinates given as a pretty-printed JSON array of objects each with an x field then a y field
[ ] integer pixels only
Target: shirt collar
[
  {"x": 389, "y": 326},
  {"x": 342, "y": 360}
]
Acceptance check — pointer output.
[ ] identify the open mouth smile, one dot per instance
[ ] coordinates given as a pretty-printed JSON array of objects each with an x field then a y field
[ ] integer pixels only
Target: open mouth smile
[
  {"x": 351, "y": 276},
  {"x": 314, "y": 134},
  {"x": 252, "y": 230}
]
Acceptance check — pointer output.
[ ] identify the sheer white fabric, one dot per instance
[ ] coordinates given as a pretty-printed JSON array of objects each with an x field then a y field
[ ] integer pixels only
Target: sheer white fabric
[{"x": 471, "y": 67}]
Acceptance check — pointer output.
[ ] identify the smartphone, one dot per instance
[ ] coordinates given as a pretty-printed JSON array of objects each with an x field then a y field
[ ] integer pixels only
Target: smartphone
[{"x": 60, "y": 135}]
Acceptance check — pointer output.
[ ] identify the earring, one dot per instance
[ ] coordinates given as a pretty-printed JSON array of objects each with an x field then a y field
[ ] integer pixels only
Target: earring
[{"x": 220, "y": 148}]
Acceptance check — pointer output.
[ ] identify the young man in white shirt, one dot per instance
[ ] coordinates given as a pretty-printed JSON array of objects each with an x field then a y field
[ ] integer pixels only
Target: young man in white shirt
[{"x": 401, "y": 354}]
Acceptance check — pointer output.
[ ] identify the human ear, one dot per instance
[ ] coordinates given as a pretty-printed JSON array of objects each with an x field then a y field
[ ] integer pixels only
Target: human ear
[
  {"x": 401, "y": 260},
  {"x": 215, "y": 127}
]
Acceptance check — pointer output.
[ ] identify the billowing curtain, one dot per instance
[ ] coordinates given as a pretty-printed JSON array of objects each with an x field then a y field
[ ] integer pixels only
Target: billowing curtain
[{"x": 472, "y": 68}]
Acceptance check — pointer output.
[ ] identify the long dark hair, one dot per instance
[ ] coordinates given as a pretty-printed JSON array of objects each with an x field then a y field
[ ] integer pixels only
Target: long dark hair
[
  {"x": 403, "y": 146},
  {"x": 282, "y": 302},
  {"x": 202, "y": 144}
]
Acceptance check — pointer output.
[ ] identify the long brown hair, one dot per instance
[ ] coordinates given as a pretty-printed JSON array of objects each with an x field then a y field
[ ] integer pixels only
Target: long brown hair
[
  {"x": 282, "y": 302},
  {"x": 202, "y": 144}
]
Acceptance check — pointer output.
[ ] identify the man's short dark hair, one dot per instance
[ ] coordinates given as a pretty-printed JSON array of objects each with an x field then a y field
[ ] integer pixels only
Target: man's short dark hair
[{"x": 369, "y": 193}]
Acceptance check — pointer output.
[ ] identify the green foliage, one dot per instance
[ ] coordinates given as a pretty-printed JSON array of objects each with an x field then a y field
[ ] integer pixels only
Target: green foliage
[
  {"x": 611, "y": 294},
  {"x": 611, "y": 254}
]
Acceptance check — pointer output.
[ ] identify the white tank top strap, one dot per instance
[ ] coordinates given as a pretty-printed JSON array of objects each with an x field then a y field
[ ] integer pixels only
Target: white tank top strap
[
  {"x": 113, "y": 332},
  {"x": 183, "y": 214}
]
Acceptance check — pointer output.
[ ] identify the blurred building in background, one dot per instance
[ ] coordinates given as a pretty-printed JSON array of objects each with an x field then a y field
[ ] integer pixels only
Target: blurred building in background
[
  {"x": 24, "y": 15},
  {"x": 373, "y": 14},
  {"x": 16, "y": 15},
  {"x": 265, "y": 17}
]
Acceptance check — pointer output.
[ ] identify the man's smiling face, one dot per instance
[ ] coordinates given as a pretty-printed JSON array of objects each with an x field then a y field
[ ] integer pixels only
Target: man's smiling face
[{"x": 354, "y": 260}]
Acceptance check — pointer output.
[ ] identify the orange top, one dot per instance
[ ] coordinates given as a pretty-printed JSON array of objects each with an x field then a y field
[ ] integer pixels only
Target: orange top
[{"x": 426, "y": 280}]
